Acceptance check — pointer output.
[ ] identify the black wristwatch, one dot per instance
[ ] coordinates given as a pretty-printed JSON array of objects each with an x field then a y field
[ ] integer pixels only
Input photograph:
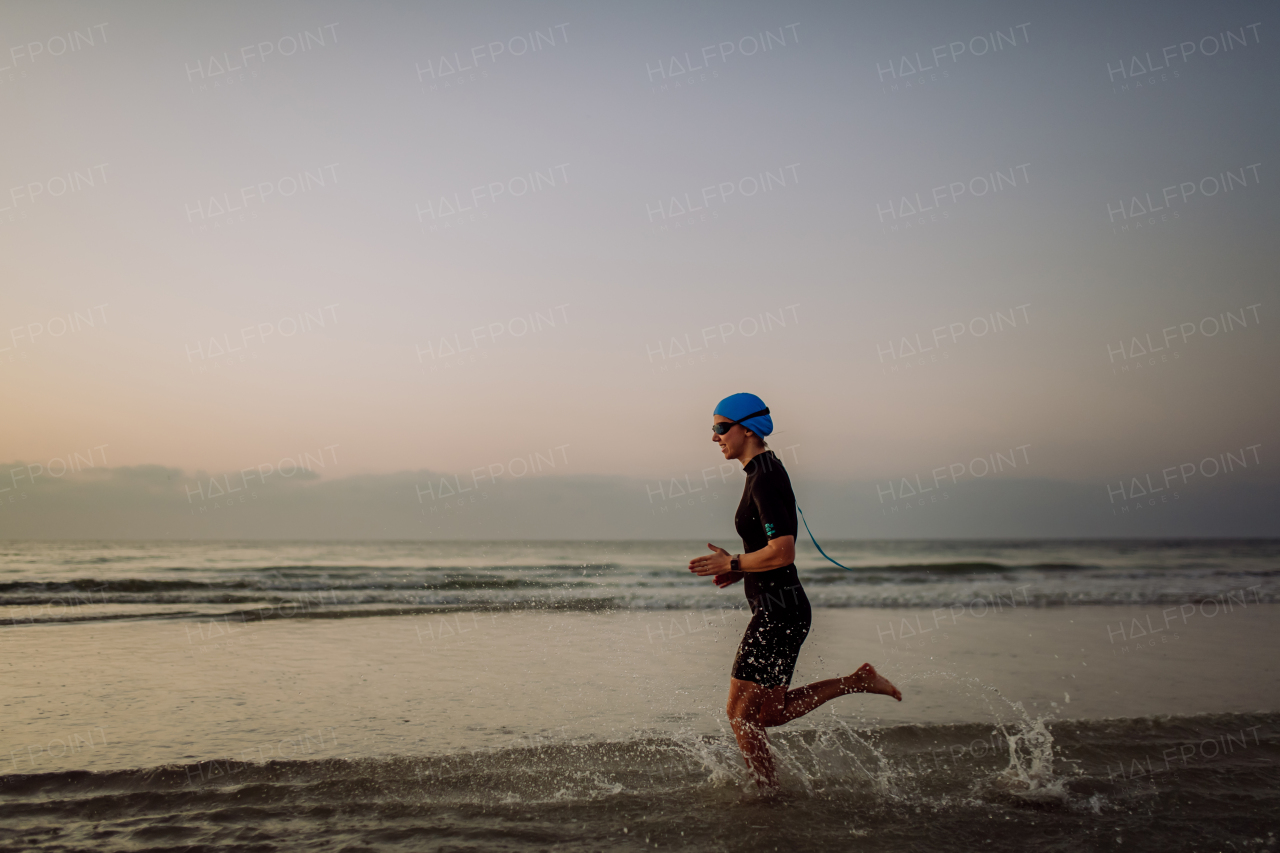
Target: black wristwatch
[{"x": 733, "y": 563}]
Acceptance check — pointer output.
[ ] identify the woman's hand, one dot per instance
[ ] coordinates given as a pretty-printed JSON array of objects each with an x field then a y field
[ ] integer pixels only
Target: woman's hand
[{"x": 716, "y": 563}]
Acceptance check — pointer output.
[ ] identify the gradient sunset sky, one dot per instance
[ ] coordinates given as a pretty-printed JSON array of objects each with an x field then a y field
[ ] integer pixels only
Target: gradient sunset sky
[{"x": 922, "y": 232}]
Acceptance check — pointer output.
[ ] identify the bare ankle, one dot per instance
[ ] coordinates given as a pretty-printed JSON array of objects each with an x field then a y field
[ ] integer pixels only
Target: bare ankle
[{"x": 862, "y": 678}]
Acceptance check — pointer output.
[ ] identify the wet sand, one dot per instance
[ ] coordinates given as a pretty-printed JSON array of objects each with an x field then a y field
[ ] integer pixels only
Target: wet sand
[{"x": 147, "y": 693}]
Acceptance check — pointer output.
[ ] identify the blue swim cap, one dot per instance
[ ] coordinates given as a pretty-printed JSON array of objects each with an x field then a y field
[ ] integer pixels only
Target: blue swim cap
[{"x": 737, "y": 406}]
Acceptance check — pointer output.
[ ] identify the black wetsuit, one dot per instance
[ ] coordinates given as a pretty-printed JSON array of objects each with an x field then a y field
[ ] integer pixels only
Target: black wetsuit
[{"x": 780, "y": 610}]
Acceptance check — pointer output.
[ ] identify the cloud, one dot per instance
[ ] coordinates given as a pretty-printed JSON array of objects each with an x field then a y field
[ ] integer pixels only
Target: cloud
[{"x": 157, "y": 502}]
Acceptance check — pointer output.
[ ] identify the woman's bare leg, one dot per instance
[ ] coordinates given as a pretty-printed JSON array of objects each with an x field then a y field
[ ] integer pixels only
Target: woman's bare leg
[
  {"x": 745, "y": 699},
  {"x": 754, "y": 744},
  {"x": 783, "y": 708}
]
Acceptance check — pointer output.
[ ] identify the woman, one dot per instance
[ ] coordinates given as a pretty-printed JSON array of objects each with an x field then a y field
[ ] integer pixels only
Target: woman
[{"x": 766, "y": 521}]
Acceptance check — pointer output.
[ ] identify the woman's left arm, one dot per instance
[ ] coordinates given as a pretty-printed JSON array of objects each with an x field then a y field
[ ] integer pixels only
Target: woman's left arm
[{"x": 778, "y": 553}]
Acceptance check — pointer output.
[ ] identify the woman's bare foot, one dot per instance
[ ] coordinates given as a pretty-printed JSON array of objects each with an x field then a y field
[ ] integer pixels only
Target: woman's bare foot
[{"x": 867, "y": 680}]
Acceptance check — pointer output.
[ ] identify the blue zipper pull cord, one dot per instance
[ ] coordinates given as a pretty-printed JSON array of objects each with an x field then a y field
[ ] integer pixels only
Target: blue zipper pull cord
[{"x": 815, "y": 541}]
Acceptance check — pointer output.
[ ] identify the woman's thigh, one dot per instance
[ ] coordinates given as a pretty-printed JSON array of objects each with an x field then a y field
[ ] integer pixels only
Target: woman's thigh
[{"x": 751, "y": 701}]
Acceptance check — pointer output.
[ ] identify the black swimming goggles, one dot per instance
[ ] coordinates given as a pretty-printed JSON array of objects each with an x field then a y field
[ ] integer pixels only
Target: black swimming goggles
[{"x": 724, "y": 426}]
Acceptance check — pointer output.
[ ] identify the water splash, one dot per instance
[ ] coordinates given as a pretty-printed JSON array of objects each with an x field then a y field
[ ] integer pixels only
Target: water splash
[
  {"x": 888, "y": 765},
  {"x": 1030, "y": 775}
]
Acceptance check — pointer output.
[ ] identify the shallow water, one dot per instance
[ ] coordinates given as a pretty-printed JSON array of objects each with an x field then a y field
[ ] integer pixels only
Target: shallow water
[
  {"x": 1116, "y": 784},
  {"x": 525, "y": 697}
]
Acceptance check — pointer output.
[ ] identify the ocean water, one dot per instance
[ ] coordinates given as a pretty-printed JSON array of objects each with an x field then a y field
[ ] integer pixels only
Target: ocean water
[
  {"x": 537, "y": 696},
  {"x": 78, "y": 581}
]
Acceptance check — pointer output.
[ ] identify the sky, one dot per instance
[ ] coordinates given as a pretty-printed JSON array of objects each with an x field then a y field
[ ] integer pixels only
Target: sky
[{"x": 985, "y": 247}]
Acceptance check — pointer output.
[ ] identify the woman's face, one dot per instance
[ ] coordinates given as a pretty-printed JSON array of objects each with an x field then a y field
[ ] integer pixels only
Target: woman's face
[{"x": 733, "y": 441}]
